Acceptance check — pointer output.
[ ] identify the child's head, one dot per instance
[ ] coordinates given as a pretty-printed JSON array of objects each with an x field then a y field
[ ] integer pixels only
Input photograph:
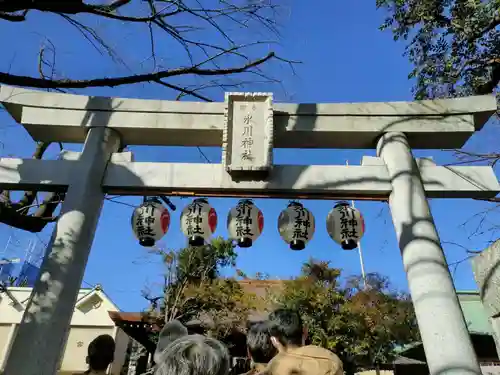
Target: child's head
[{"x": 101, "y": 352}]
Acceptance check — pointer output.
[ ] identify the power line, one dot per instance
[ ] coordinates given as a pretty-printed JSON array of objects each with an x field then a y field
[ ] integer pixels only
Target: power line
[
  {"x": 88, "y": 284},
  {"x": 112, "y": 199},
  {"x": 360, "y": 252},
  {"x": 203, "y": 154}
]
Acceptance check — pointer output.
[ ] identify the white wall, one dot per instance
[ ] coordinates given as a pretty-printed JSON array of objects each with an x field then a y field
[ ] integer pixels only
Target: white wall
[
  {"x": 90, "y": 319},
  {"x": 75, "y": 351},
  {"x": 98, "y": 314},
  {"x": 122, "y": 341},
  {"x": 6, "y": 333}
]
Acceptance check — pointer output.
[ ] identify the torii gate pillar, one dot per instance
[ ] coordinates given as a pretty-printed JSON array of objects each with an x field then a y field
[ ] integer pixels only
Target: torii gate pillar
[
  {"x": 44, "y": 328},
  {"x": 447, "y": 344}
]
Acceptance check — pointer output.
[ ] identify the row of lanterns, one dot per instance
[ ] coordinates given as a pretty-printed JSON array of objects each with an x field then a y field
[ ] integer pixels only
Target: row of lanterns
[{"x": 245, "y": 223}]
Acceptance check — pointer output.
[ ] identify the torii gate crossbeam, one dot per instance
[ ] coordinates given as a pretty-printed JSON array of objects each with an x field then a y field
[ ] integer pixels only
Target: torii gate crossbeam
[{"x": 248, "y": 127}]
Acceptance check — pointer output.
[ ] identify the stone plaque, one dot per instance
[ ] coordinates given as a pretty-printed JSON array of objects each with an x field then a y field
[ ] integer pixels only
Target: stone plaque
[
  {"x": 493, "y": 369},
  {"x": 247, "y": 145},
  {"x": 486, "y": 268}
]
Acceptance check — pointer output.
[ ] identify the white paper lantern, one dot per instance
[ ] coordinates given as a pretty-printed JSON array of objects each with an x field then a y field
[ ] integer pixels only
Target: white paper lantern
[
  {"x": 345, "y": 225},
  {"x": 296, "y": 225},
  {"x": 198, "y": 222},
  {"x": 150, "y": 222},
  {"x": 245, "y": 223}
]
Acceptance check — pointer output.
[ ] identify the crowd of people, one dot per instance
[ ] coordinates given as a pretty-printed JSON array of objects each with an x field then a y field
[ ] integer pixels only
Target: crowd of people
[{"x": 275, "y": 347}]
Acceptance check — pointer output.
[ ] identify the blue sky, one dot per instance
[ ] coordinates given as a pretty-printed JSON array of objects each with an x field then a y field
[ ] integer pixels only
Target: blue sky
[{"x": 344, "y": 58}]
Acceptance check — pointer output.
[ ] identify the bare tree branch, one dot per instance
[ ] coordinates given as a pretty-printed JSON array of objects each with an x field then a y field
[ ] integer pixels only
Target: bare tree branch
[
  {"x": 494, "y": 200},
  {"x": 18, "y": 80},
  {"x": 17, "y": 214},
  {"x": 175, "y": 21},
  {"x": 494, "y": 22},
  {"x": 159, "y": 11},
  {"x": 14, "y": 17},
  {"x": 184, "y": 90},
  {"x": 68, "y": 6}
]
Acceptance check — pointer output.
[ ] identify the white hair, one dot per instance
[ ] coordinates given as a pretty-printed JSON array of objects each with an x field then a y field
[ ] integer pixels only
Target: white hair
[{"x": 194, "y": 355}]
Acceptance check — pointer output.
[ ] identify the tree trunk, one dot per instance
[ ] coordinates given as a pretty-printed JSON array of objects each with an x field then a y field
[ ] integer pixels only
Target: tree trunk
[
  {"x": 10, "y": 215},
  {"x": 349, "y": 368}
]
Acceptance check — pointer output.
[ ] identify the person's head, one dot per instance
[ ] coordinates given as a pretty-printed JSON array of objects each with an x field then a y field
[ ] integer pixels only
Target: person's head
[
  {"x": 179, "y": 353},
  {"x": 100, "y": 352},
  {"x": 286, "y": 329},
  {"x": 170, "y": 332},
  {"x": 194, "y": 355},
  {"x": 259, "y": 345}
]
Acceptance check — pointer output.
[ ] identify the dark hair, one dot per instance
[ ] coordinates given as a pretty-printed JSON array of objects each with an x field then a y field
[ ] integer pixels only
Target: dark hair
[
  {"x": 286, "y": 326},
  {"x": 259, "y": 343},
  {"x": 101, "y": 352}
]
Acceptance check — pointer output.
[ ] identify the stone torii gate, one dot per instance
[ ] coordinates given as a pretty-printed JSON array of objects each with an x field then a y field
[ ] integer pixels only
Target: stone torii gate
[{"x": 248, "y": 127}]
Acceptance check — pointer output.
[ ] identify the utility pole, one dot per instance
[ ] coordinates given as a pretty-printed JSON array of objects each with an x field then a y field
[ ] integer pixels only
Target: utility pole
[{"x": 360, "y": 251}]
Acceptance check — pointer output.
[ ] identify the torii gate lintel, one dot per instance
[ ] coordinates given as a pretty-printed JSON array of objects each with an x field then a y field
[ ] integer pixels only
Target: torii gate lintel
[
  {"x": 428, "y": 124},
  {"x": 369, "y": 181}
]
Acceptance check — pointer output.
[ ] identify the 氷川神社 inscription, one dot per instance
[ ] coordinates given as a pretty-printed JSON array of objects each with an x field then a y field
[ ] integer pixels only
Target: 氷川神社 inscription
[{"x": 248, "y": 132}]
